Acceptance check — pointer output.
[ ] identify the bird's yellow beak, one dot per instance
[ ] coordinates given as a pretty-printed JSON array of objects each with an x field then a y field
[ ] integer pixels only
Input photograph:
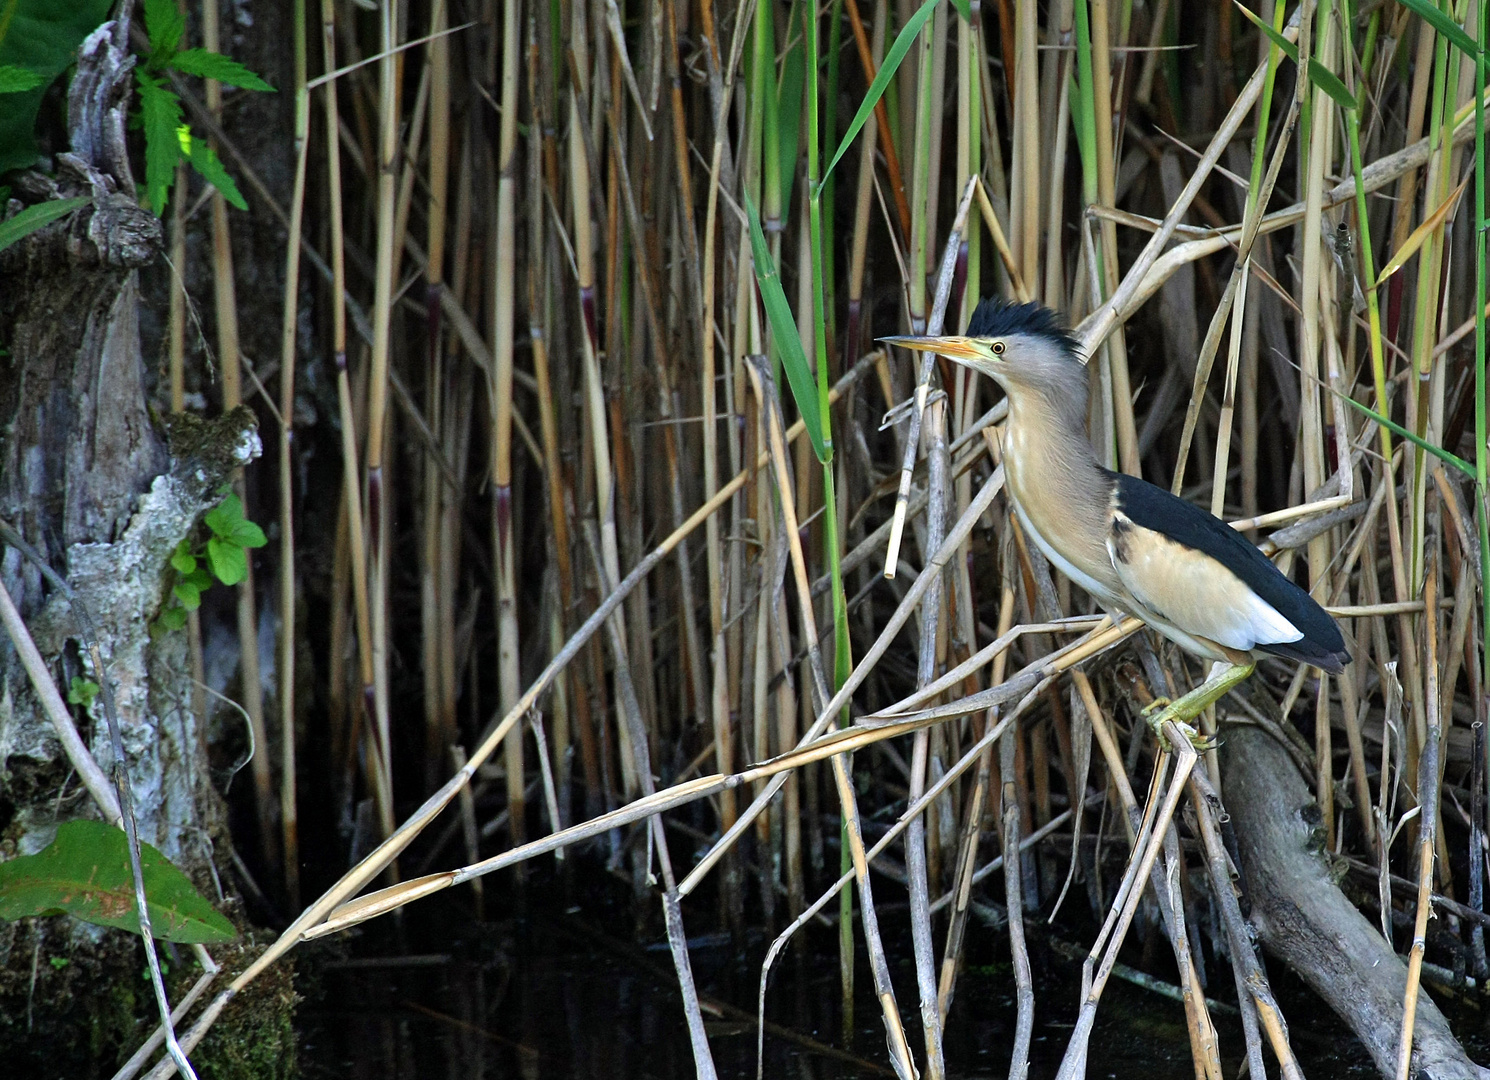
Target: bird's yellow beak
[{"x": 965, "y": 350}]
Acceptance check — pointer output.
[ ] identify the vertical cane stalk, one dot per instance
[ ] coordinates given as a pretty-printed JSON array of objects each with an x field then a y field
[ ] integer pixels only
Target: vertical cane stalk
[
  {"x": 288, "y": 815},
  {"x": 226, "y": 308}
]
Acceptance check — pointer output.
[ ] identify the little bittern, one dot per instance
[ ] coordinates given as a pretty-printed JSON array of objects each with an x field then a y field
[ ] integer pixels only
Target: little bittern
[{"x": 1134, "y": 547}]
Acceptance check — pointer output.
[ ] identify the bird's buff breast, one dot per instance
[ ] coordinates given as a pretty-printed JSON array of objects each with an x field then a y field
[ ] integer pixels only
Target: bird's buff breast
[{"x": 1050, "y": 504}]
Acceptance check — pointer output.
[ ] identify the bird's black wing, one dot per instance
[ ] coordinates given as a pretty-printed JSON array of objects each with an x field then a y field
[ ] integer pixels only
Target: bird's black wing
[{"x": 1154, "y": 508}]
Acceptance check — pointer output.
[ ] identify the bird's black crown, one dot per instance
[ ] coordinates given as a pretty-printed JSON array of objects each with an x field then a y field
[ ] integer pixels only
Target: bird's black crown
[{"x": 999, "y": 318}]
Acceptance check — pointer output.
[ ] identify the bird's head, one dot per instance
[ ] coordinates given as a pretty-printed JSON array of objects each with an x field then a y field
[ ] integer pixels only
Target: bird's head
[{"x": 1021, "y": 346}]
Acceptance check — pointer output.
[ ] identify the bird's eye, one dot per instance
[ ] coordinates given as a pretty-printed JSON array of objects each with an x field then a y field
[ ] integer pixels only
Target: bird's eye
[{"x": 998, "y": 348}]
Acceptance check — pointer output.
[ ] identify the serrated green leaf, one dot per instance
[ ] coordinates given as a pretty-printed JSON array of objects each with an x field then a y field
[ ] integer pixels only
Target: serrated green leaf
[
  {"x": 85, "y": 872},
  {"x": 41, "y": 36},
  {"x": 189, "y": 595},
  {"x": 1288, "y": 48},
  {"x": 223, "y": 518},
  {"x": 160, "y": 114},
  {"x": 164, "y": 25},
  {"x": 1444, "y": 23},
  {"x": 205, "y": 162},
  {"x": 228, "y": 560},
  {"x": 16, "y": 80},
  {"x": 36, "y": 217},
  {"x": 172, "y": 618},
  {"x": 211, "y": 65},
  {"x": 903, "y": 42},
  {"x": 1330, "y": 83},
  {"x": 784, "y": 333}
]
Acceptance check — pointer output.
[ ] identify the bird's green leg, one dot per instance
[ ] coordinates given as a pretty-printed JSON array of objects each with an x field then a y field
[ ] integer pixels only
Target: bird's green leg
[{"x": 1195, "y": 702}]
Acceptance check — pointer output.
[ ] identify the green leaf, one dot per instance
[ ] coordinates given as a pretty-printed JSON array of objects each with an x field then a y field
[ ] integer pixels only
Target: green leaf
[
  {"x": 200, "y": 578},
  {"x": 1288, "y": 48},
  {"x": 1437, "y": 451},
  {"x": 85, "y": 873},
  {"x": 228, "y": 560},
  {"x": 1330, "y": 83},
  {"x": 164, "y": 25},
  {"x": 789, "y": 110},
  {"x": 160, "y": 110},
  {"x": 172, "y": 618},
  {"x": 903, "y": 42},
  {"x": 81, "y": 691},
  {"x": 247, "y": 534},
  {"x": 784, "y": 333},
  {"x": 188, "y": 593},
  {"x": 1444, "y": 23},
  {"x": 41, "y": 36},
  {"x": 223, "y": 518},
  {"x": 36, "y": 217},
  {"x": 211, "y": 65},
  {"x": 182, "y": 560},
  {"x": 209, "y": 167},
  {"x": 15, "y": 80}
]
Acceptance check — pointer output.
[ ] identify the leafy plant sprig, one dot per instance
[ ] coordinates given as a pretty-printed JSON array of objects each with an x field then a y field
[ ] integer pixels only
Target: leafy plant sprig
[
  {"x": 225, "y": 555},
  {"x": 168, "y": 139},
  {"x": 82, "y": 691}
]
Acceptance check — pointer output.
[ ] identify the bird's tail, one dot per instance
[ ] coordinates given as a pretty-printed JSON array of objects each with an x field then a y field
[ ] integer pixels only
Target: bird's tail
[{"x": 1309, "y": 652}]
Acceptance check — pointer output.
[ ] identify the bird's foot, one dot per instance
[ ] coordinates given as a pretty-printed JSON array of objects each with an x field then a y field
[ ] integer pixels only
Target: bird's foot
[
  {"x": 1187, "y": 708},
  {"x": 1161, "y": 713}
]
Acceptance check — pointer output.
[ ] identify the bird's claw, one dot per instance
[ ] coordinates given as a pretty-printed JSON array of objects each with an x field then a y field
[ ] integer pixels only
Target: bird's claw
[{"x": 1155, "y": 716}]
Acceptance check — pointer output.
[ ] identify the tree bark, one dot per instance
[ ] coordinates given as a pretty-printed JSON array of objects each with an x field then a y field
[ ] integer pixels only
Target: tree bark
[{"x": 1304, "y": 919}]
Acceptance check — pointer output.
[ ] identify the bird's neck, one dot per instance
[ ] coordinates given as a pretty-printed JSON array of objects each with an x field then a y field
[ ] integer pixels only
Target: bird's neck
[
  {"x": 1046, "y": 435},
  {"x": 1061, "y": 491}
]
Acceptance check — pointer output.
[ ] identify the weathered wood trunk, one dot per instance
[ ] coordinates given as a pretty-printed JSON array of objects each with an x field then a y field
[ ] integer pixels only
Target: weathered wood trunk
[
  {"x": 104, "y": 490},
  {"x": 1304, "y": 919}
]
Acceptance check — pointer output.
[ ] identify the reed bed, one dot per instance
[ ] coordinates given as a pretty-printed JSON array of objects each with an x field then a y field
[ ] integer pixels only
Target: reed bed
[{"x": 616, "y": 497}]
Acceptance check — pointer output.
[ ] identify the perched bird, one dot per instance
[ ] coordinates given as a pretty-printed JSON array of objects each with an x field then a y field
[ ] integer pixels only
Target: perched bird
[{"x": 1133, "y": 546}]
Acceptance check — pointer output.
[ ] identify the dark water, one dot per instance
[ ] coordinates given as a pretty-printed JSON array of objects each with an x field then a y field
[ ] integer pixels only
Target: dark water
[{"x": 576, "y": 986}]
